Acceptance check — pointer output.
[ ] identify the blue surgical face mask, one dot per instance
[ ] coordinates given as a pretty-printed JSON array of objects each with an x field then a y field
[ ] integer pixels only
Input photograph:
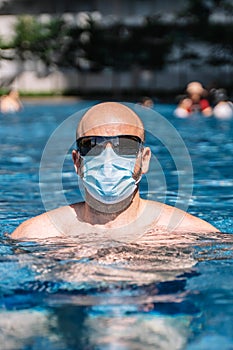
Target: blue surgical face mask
[{"x": 108, "y": 177}]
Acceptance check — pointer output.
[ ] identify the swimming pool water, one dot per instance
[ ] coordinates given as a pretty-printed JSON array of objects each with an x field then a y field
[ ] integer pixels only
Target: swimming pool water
[{"x": 98, "y": 294}]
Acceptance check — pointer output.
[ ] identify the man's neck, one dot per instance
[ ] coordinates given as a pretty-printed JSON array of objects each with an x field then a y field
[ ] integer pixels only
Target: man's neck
[{"x": 115, "y": 215}]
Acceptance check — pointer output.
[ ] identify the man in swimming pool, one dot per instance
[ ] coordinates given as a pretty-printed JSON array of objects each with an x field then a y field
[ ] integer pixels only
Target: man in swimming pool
[{"x": 110, "y": 159}]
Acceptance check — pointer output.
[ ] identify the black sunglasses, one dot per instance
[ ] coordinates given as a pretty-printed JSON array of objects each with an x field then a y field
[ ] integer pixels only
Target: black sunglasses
[{"x": 123, "y": 145}]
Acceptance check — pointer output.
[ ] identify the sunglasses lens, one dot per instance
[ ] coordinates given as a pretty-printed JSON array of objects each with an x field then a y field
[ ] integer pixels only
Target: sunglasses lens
[
  {"x": 123, "y": 145},
  {"x": 89, "y": 146},
  {"x": 128, "y": 145},
  {"x": 84, "y": 145}
]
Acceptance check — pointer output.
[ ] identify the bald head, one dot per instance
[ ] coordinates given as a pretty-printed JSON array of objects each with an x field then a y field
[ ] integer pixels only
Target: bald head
[
  {"x": 195, "y": 88},
  {"x": 110, "y": 119}
]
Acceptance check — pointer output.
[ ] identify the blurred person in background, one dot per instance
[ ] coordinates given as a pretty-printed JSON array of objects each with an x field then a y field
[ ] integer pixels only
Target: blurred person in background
[
  {"x": 183, "y": 110},
  {"x": 10, "y": 103},
  {"x": 195, "y": 101},
  {"x": 147, "y": 102},
  {"x": 223, "y": 107}
]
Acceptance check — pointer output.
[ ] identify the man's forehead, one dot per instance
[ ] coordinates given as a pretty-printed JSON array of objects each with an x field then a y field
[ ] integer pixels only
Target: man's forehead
[
  {"x": 110, "y": 129},
  {"x": 110, "y": 119}
]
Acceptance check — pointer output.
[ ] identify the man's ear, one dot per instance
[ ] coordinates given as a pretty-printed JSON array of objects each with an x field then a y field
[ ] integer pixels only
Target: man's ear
[
  {"x": 146, "y": 155},
  {"x": 77, "y": 160}
]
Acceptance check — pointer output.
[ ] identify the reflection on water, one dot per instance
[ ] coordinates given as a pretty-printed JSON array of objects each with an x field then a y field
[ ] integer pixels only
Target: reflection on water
[
  {"x": 77, "y": 327},
  {"x": 68, "y": 295}
]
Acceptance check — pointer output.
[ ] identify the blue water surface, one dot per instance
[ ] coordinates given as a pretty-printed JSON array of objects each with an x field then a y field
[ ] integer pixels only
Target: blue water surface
[{"x": 64, "y": 295}]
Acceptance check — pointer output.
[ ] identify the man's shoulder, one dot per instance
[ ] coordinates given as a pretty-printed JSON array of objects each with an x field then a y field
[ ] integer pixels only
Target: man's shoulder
[
  {"x": 40, "y": 226},
  {"x": 195, "y": 224},
  {"x": 175, "y": 219}
]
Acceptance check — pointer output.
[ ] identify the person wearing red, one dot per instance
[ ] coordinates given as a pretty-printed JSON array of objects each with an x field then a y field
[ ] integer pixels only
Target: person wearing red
[
  {"x": 195, "y": 101},
  {"x": 197, "y": 93}
]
